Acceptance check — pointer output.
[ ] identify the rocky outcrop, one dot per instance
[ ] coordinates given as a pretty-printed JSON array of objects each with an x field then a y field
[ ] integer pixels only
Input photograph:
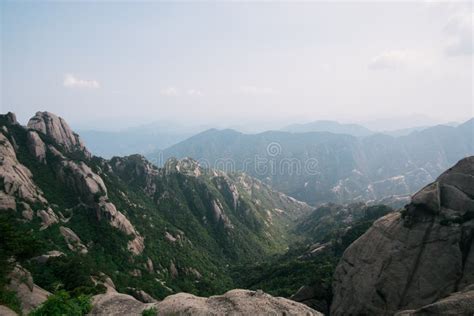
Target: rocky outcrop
[
  {"x": 17, "y": 179},
  {"x": 90, "y": 187},
  {"x": 82, "y": 179},
  {"x": 459, "y": 303},
  {"x": 59, "y": 131},
  {"x": 119, "y": 221},
  {"x": 5, "y": 311},
  {"x": 36, "y": 146},
  {"x": 11, "y": 118},
  {"x": 235, "y": 302},
  {"x": 50, "y": 254},
  {"x": 187, "y": 166},
  {"x": 415, "y": 257},
  {"x": 307, "y": 295},
  {"x": 7, "y": 202},
  {"x": 29, "y": 294},
  {"x": 136, "y": 167},
  {"x": 74, "y": 243},
  {"x": 48, "y": 218}
]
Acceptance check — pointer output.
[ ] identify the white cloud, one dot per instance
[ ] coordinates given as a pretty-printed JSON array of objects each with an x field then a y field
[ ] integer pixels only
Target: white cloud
[
  {"x": 170, "y": 92},
  {"x": 71, "y": 81},
  {"x": 460, "y": 31},
  {"x": 252, "y": 90},
  {"x": 195, "y": 92},
  {"x": 391, "y": 59}
]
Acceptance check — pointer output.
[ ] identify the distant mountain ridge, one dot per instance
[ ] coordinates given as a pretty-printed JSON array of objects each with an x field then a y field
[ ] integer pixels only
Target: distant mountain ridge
[
  {"x": 329, "y": 126},
  {"x": 344, "y": 168}
]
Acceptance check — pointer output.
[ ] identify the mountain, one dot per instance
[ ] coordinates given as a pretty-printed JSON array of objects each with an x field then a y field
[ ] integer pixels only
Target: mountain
[
  {"x": 418, "y": 260},
  {"x": 320, "y": 167},
  {"x": 329, "y": 126},
  {"x": 81, "y": 223}
]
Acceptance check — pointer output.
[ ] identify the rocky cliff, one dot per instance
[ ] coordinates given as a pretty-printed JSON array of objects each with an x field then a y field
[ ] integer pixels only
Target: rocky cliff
[
  {"x": 415, "y": 258},
  {"x": 154, "y": 231}
]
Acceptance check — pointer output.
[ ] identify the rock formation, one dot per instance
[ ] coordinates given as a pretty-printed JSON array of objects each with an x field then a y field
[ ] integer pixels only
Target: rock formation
[
  {"x": 58, "y": 130},
  {"x": 235, "y": 302},
  {"x": 17, "y": 179},
  {"x": 29, "y": 294},
  {"x": 415, "y": 257}
]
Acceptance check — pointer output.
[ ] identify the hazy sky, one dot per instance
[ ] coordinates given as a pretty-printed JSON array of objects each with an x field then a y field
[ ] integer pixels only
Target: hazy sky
[{"x": 103, "y": 64}]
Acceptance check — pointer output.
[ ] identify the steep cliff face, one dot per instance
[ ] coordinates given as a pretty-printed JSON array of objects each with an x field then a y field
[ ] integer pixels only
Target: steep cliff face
[{"x": 414, "y": 257}]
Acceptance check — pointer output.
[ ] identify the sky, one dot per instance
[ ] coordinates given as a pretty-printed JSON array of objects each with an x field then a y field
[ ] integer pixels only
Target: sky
[{"x": 105, "y": 65}]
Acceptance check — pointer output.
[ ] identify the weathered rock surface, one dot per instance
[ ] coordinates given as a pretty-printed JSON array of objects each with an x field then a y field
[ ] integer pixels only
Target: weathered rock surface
[
  {"x": 17, "y": 179},
  {"x": 73, "y": 241},
  {"x": 5, "y": 311},
  {"x": 29, "y": 294},
  {"x": 235, "y": 302},
  {"x": 117, "y": 304},
  {"x": 91, "y": 189},
  {"x": 415, "y": 257},
  {"x": 50, "y": 254},
  {"x": 57, "y": 129},
  {"x": 459, "y": 303},
  {"x": 118, "y": 220},
  {"x": 306, "y": 295},
  {"x": 48, "y": 218},
  {"x": 36, "y": 146},
  {"x": 7, "y": 202}
]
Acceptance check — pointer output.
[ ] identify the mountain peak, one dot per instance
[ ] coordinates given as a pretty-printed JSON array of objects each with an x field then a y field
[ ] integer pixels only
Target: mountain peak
[{"x": 58, "y": 130}]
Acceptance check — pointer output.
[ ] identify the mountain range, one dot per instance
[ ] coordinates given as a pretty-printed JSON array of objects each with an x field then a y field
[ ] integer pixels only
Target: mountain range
[
  {"x": 320, "y": 167},
  {"x": 153, "y": 230},
  {"x": 81, "y": 234}
]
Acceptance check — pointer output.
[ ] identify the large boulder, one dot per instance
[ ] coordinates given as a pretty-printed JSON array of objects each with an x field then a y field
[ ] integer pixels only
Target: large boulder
[
  {"x": 59, "y": 131},
  {"x": 414, "y": 257}
]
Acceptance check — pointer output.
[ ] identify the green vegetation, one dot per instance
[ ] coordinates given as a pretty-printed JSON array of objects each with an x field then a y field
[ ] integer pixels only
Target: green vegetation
[
  {"x": 283, "y": 275},
  {"x": 150, "y": 312},
  {"x": 16, "y": 244},
  {"x": 61, "y": 303}
]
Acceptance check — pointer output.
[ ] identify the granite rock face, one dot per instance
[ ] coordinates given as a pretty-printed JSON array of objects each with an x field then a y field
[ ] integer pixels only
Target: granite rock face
[
  {"x": 36, "y": 146},
  {"x": 57, "y": 129},
  {"x": 29, "y": 294},
  {"x": 459, "y": 303},
  {"x": 415, "y": 257},
  {"x": 234, "y": 302},
  {"x": 17, "y": 179}
]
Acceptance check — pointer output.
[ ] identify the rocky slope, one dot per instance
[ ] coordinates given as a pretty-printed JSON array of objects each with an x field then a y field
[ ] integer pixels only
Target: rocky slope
[
  {"x": 234, "y": 302},
  {"x": 414, "y": 259},
  {"x": 320, "y": 167},
  {"x": 154, "y": 231}
]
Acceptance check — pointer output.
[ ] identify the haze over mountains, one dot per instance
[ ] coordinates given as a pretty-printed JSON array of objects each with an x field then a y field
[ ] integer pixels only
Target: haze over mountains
[
  {"x": 145, "y": 139},
  {"x": 319, "y": 167}
]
